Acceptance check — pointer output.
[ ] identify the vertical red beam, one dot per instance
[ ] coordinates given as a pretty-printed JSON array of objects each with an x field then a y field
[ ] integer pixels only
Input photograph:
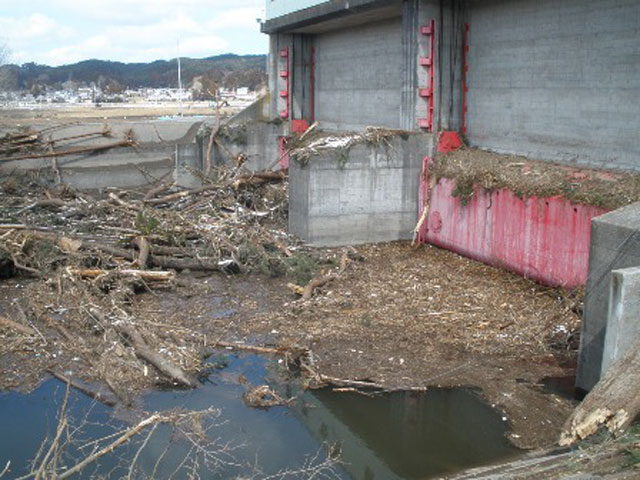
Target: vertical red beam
[
  {"x": 465, "y": 70},
  {"x": 313, "y": 84},
  {"x": 286, "y": 74},
  {"x": 429, "y": 63}
]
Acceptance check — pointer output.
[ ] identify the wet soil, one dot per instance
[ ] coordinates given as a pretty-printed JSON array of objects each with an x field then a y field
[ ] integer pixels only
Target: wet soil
[
  {"x": 402, "y": 317},
  {"x": 407, "y": 318}
]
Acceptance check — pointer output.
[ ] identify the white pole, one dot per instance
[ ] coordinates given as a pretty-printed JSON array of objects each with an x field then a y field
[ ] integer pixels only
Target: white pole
[{"x": 179, "y": 79}]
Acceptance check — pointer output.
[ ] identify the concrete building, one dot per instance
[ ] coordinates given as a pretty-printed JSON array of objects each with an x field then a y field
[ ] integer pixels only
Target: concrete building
[{"x": 546, "y": 79}]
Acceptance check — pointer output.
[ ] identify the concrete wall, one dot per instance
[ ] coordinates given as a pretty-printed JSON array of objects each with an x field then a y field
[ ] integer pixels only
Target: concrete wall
[
  {"x": 372, "y": 198},
  {"x": 545, "y": 239},
  {"x": 259, "y": 142},
  {"x": 359, "y": 76},
  {"x": 556, "y": 80},
  {"x": 615, "y": 244}
]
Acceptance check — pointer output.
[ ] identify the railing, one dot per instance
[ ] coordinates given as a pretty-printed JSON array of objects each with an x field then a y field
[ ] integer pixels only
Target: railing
[{"x": 278, "y": 8}]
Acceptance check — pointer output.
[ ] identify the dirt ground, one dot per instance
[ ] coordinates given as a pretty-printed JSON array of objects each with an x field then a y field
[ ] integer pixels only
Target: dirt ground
[{"x": 86, "y": 113}]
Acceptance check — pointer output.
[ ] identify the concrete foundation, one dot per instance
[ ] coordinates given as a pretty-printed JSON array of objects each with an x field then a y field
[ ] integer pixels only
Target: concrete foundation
[
  {"x": 373, "y": 197},
  {"x": 623, "y": 320},
  {"x": 615, "y": 244}
]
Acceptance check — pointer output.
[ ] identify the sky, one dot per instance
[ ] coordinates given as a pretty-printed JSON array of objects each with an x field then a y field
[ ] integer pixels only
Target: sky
[{"x": 58, "y": 32}]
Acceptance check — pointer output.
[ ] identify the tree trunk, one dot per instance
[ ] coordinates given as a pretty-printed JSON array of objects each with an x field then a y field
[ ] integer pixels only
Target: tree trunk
[{"x": 614, "y": 402}]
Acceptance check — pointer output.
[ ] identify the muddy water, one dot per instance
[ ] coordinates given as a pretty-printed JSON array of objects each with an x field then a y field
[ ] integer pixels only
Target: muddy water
[{"x": 382, "y": 436}]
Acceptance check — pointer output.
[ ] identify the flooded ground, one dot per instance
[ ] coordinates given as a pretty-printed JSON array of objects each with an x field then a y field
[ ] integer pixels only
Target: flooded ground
[{"x": 343, "y": 434}]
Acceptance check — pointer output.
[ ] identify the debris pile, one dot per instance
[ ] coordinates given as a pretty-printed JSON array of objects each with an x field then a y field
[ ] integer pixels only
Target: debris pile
[
  {"x": 470, "y": 167},
  {"x": 312, "y": 144},
  {"x": 81, "y": 258},
  {"x": 27, "y": 143}
]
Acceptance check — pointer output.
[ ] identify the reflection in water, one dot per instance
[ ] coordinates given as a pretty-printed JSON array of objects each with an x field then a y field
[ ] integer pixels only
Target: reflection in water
[
  {"x": 398, "y": 435},
  {"x": 408, "y": 434}
]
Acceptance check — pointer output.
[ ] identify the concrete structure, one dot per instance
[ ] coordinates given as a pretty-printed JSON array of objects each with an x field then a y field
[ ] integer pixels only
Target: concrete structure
[
  {"x": 154, "y": 157},
  {"x": 537, "y": 75},
  {"x": 545, "y": 239},
  {"x": 615, "y": 244},
  {"x": 372, "y": 197},
  {"x": 623, "y": 320}
]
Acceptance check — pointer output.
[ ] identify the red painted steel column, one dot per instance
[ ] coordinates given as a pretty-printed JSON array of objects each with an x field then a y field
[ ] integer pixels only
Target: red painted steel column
[
  {"x": 465, "y": 70},
  {"x": 285, "y": 74},
  {"x": 313, "y": 84},
  {"x": 429, "y": 63}
]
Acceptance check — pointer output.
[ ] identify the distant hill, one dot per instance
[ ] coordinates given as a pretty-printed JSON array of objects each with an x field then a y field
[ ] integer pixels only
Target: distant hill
[{"x": 229, "y": 70}]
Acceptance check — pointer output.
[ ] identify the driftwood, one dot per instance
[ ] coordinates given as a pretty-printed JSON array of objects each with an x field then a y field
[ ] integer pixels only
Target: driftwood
[
  {"x": 317, "y": 283},
  {"x": 249, "y": 348},
  {"x": 144, "y": 250},
  {"x": 73, "y": 151},
  {"x": 18, "y": 327},
  {"x": 124, "y": 438},
  {"x": 425, "y": 211},
  {"x": 96, "y": 395},
  {"x": 155, "y": 191},
  {"x": 146, "y": 275},
  {"x": 613, "y": 403},
  {"x": 144, "y": 352},
  {"x": 258, "y": 178}
]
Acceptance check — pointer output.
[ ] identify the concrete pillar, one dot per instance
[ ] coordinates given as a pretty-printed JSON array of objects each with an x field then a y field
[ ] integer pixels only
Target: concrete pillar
[
  {"x": 188, "y": 162},
  {"x": 623, "y": 320},
  {"x": 410, "y": 27},
  {"x": 301, "y": 77},
  {"x": 615, "y": 244}
]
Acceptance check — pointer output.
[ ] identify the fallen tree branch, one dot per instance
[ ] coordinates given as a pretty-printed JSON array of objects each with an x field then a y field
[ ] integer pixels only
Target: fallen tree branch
[
  {"x": 144, "y": 352},
  {"x": 96, "y": 395},
  {"x": 146, "y": 275},
  {"x": 144, "y": 249},
  {"x": 73, "y": 151},
  {"x": 124, "y": 438},
  {"x": 317, "y": 283}
]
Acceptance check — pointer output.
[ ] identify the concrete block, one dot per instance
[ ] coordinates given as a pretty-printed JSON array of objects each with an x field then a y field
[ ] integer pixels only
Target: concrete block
[
  {"x": 615, "y": 244},
  {"x": 623, "y": 320},
  {"x": 373, "y": 197}
]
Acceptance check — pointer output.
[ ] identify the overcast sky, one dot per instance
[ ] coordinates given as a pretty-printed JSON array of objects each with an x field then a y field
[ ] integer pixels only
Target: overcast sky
[{"x": 57, "y": 32}]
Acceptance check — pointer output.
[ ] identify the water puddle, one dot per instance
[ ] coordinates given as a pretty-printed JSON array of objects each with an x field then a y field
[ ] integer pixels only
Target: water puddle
[{"x": 401, "y": 435}]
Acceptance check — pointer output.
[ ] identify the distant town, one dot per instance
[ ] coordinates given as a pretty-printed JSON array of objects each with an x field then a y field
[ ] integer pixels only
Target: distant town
[{"x": 93, "y": 95}]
